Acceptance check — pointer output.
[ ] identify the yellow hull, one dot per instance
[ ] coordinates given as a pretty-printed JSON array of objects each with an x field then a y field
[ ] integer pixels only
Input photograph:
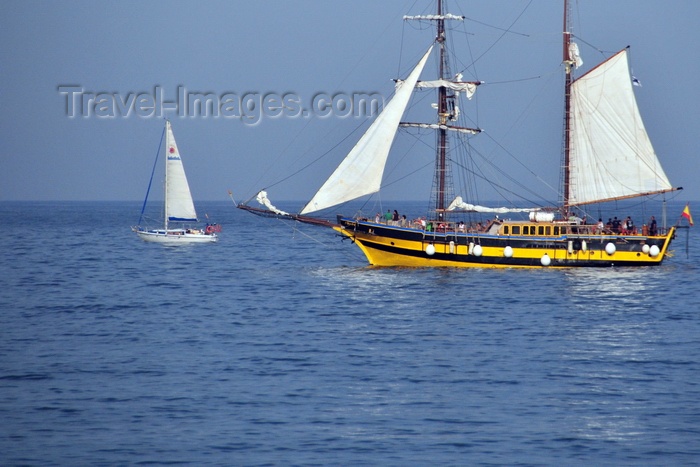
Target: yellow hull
[{"x": 401, "y": 247}]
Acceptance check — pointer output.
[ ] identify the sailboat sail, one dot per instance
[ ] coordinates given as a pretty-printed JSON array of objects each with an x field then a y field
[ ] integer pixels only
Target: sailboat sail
[
  {"x": 611, "y": 154},
  {"x": 361, "y": 171},
  {"x": 179, "y": 205}
]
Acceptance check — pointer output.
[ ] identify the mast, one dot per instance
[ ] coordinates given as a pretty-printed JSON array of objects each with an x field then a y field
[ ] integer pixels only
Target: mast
[
  {"x": 167, "y": 146},
  {"x": 568, "y": 67},
  {"x": 448, "y": 90},
  {"x": 441, "y": 150}
]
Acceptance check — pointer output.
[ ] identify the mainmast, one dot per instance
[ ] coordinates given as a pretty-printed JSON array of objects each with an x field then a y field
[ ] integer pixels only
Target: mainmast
[{"x": 165, "y": 192}]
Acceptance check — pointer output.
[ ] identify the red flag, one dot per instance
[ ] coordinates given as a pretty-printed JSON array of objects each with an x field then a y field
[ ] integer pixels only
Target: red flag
[{"x": 687, "y": 215}]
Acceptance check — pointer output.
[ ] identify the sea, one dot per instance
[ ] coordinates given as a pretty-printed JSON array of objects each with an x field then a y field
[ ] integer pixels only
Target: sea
[{"x": 280, "y": 346}]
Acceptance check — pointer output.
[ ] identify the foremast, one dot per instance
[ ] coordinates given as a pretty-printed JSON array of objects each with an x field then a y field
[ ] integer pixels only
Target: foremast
[
  {"x": 448, "y": 89},
  {"x": 441, "y": 151},
  {"x": 568, "y": 68}
]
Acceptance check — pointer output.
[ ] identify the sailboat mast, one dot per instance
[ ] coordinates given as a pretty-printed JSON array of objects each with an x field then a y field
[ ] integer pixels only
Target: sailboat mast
[
  {"x": 568, "y": 67},
  {"x": 441, "y": 162},
  {"x": 165, "y": 192}
]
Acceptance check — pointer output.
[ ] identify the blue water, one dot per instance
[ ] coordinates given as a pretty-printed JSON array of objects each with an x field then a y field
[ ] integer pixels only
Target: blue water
[{"x": 279, "y": 346}]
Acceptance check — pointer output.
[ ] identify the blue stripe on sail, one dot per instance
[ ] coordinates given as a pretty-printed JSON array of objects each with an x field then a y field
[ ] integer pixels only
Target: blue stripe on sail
[{"x": 183, "y": 219}]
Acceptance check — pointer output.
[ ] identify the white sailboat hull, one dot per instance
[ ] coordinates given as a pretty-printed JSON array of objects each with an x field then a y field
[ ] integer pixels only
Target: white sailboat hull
[{"x": 176, "y": 236}]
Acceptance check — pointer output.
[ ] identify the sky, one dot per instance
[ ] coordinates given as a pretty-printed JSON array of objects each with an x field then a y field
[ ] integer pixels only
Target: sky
[{"x": 85, "y": 84}]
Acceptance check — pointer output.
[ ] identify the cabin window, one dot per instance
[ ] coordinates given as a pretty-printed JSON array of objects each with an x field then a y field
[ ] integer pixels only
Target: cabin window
[
  {"x": 540, "y": 230},
  {"x": 548, "y": 230},
  {"x": 505, "y": 230},
  {"x": 516, "y": 230}
]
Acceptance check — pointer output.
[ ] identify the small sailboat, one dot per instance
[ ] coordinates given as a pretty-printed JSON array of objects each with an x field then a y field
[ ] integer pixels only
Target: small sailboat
[
  {"x": 607, "y": 157},
  {"x": 179, "y": 207}
]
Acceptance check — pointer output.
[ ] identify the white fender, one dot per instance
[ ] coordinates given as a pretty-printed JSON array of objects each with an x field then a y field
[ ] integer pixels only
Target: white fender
[
  {"x": 610, "y": 248},
  {"x": 654, "y": 251}
]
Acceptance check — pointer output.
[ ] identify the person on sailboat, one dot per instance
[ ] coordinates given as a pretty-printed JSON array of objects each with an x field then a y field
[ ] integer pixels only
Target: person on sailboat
[
  {"x": 652, "y": 226},
  {"x": 616, "y": 225},
  {"x": 600, "y": 226},
  {"x": 387, "y": 216}
]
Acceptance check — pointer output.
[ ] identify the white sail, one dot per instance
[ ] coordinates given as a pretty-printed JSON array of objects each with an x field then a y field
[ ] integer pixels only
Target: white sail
[
  {"x": 611, "y": 156},
  {"x": 265, "y": 201},
  {"x": 575, "y": 55},
  {"x": 466, "y": 87},
  {"x": 459, "y": 203},
  {"x": 361, "y": 171},
  {"x": 179, "y": 205}
]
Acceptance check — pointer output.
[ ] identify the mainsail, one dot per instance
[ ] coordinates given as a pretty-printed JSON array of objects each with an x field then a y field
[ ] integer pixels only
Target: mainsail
[
  {"x": 611, "y": 156},
  {"x": 178, "y": 200},
  {"x": 361, "y": 171}
]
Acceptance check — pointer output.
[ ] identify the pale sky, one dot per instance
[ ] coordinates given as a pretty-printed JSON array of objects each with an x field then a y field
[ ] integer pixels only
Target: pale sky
[{"x": 125, "y": 50}]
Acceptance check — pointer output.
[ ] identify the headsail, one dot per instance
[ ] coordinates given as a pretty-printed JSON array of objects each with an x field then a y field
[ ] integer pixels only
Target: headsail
[
  {"x": 611, "y": 156},
  {"x": 361, "y": 171},
  {"x": 178, "y": 203}
]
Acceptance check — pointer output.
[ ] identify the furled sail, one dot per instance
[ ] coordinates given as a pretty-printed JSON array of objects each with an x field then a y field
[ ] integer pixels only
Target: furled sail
[
  {"x": 361, "y": 171},
  {"x": 611, "y": 156},
  {"x": 265, "y": 201},
  {"x": 459, "y": 203},
  {"x": 467, "y": 87},
  {"x": 178, "y": 204}
]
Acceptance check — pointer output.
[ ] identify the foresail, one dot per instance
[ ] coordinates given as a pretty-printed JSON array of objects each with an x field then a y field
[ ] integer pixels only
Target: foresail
[
  {"x": 179, "y": 203},
  {"x": 265, "y": 201},
  {"x": 361, "y": 171},
  {"x": 611, "y": 156}
]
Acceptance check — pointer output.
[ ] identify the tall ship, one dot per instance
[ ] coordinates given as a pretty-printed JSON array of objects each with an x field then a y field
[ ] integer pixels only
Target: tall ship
[{"x": 607, "y": 157}]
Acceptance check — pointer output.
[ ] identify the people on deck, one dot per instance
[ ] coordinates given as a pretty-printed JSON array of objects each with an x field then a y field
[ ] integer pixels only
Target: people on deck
[
  {"x": 616, "y": 225},
  {"x": 652, "y": 226},
  {"x": 387, "y": 216}
]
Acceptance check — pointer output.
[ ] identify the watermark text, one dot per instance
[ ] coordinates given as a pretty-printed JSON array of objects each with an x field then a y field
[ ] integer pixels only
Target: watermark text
[{"x": 248, "y": 107}]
